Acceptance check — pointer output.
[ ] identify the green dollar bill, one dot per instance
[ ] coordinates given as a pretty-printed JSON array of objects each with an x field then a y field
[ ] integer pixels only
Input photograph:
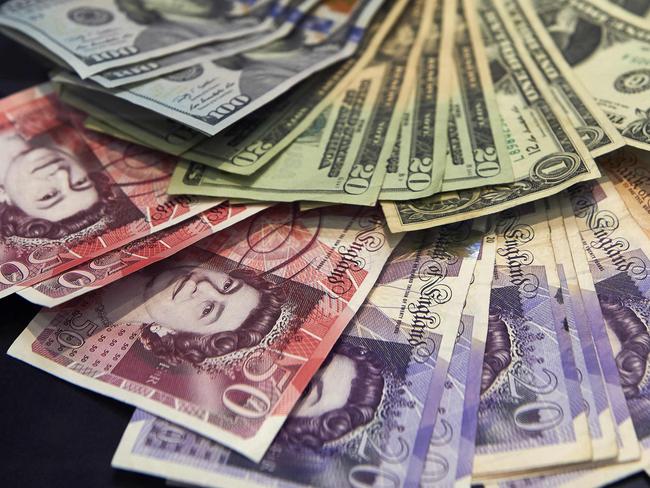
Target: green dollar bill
[
  {"x": 411, "y": 171},
  {"x": 609, "y": 51},
  {"x": 598, "y": 133},
  {"x": 477, "y": 154},
  {"x": 552, "y": 163},
  {"x": 322, "y": 165}
]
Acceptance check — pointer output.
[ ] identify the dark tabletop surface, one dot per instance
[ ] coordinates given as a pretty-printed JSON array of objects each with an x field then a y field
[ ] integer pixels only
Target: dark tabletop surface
[{"x": 56, "y": 434}]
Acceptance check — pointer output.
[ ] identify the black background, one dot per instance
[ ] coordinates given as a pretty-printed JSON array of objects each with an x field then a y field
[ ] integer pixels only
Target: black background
[{"x": 55, "y": 434}]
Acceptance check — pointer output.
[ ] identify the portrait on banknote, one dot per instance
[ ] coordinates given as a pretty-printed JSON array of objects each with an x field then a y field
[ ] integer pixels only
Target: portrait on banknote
[{"x": 52, "y": 187}]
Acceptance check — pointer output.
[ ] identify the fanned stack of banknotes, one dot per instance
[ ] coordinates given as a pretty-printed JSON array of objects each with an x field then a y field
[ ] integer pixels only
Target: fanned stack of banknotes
[{"x": 340, "y": 242}]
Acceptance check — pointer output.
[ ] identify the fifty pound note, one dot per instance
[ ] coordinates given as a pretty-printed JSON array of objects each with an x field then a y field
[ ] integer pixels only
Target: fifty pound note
[
  {"x": 222, "y": 337},
  {"x": 136, "y": 255},
  {"x": 365, "y": 420},
  {"x": 68, "y": 197},
  {"x": 95, "y": 35}
]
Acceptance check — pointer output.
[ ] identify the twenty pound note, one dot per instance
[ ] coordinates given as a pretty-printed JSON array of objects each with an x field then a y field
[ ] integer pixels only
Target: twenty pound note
[
  {"x": 222, "y": 337},
  {"x": 67, "y": 197},
  {"x": 366, "y": 418}
]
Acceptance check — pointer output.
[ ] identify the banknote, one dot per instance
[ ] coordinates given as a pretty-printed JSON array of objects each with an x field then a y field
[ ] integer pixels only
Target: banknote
[
  {"x": 451, "y": 450},
  {"x": 98, "y": 125},
  {"x": 140, "y": 125},
  {"x": 612, "y": 249},
  {"x": 628, "y": 446},
  {"x": 253, "y": 142},
  {"x": 325, "y": 164},
  {"x": 95, "y": 35},
  {"x": 410, "y": 169},
  {"x": 596, "y": 130},
  {"x": 117, "y": 264},
  {"x": 406, "y": 341},
  {"x": 639, "y": 8},
  {"x": 67, "y": 197},
  {"x": 592, "y": 388},
  {"x": 615, "y": 72},
  {"x": 212, "y": 95},
  {"x": 629, "y": 172},
  {"x": 284, "y": 14},
  {"x": 477, "y": 154},
  {"x": 531, "y": 413},
  {"x": 223, "y": 336},
  {"x": 555, "y": 162}
]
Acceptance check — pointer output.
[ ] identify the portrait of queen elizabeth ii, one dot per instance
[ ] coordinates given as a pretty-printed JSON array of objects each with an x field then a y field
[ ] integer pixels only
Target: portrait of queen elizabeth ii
[{"x": 50, "y": 192}]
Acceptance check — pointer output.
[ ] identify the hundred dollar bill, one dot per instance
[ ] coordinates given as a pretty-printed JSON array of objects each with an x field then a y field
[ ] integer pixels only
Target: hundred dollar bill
[
  {"x": 592, "y": 388},
  {"x": 97, "y": 125},
  {"x": 325, "y": 164},
  {"x": 68, "y": 196},
  {"x": 451, "y": 450},
  {"x": 615, "y": 72},
  {"x": 95, "y": 35},
  {"x": 214, "y": 94},
  {"x": 253, "y": 142},
  {"x": 629, "y": 171},
  {"x": 598, "y": 133},
  {"x": 411, "y": 171},
  {"x": 531, "y": 414},
  {"x": 117, "y": 264},
  {"x": 477, "y": 154},
  {"x": 374, "y": 387},
  {"x": 139, "y": 125},
  {"x": 222, "y": 337},
  {"x": 285, "y": 14},
  {"x": 547, "y": 150}
]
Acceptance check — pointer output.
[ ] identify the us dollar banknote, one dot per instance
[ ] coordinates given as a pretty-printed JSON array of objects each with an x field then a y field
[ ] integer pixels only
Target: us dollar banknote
[
  {"x": 598, "y": 133},
  {"x": 615, "y": 71},
  {"x": 94, "y": 35},
  {"x": 285, "y": 14},
  {"x": 411, "y": 170},
  {"x": 223, "y": 336},
  {"x": 248, "y": 145},
  {"x": 547, "y": 164},
  {"x": 129, "y": 122},
  {"x": 531, "y": 413},
  {"x": 214, "y": 94},
  {"x": 389, "y": 360},
  {"x": 451, "y": 450},
  {"x": 327, "y": 163},
  {"x": 115, "y": 265},
  {"x": 477, "y": 154}
]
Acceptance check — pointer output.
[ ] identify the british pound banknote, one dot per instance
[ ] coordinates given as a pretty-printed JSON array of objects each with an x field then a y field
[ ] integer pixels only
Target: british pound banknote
[
  {"x": 407, "y": 343},
  {"x": 531, "y": 413},
  {"x": 117, "y": 264},
  {"x": 94, "y": 35},
  {"x": 222, "y": 337},
  {"x": 68, "y": 196},
  {"x": 451, "y": 450}
]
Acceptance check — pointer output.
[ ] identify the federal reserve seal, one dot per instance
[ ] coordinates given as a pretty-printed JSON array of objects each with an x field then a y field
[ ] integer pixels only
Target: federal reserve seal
[
  {"x": 90, "y": 16},
  {"x": 633, "y": 81}
]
